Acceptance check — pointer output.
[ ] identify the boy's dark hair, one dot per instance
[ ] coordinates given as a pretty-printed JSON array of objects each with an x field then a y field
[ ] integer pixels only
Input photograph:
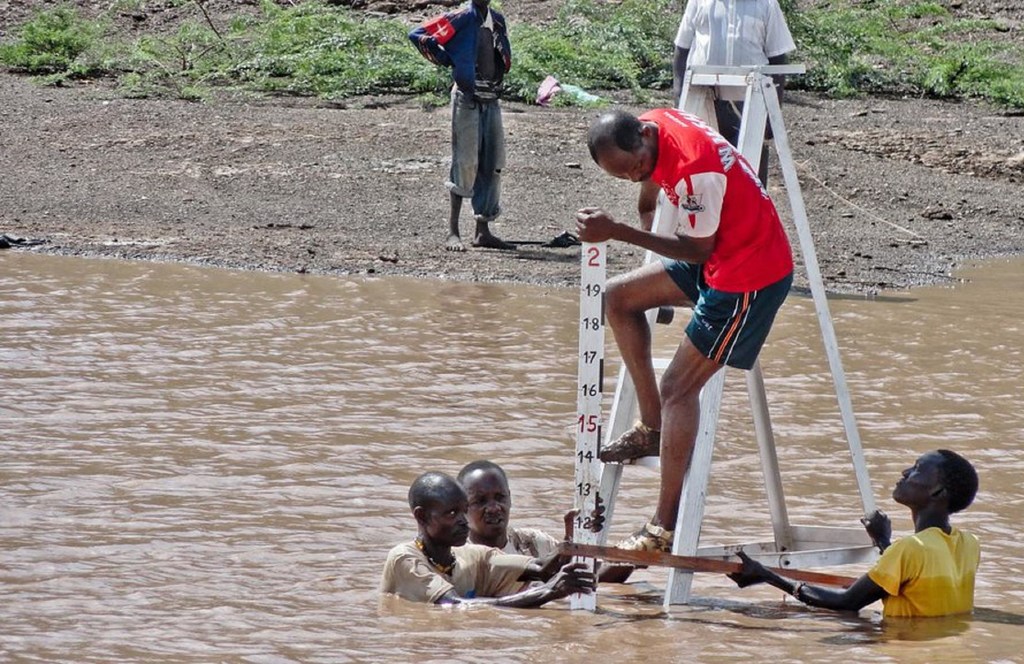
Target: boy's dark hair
[
  {"x": 960, "y": 480},
  {"x": 617, "y": 128},
  {"x": 482, "y": 464},
  {"x": 431, "y": 488}
]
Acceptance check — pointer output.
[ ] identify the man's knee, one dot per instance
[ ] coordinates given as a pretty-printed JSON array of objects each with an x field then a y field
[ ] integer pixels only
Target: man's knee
[
  {"x": 679, "y": 391},
  {"x": 635, "y": 292},
  {"x": 686, "y": 376},
  {"x": 617, "y": 301}
]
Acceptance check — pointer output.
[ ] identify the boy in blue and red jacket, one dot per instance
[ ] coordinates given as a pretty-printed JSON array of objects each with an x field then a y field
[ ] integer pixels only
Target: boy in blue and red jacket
[{"x": 473, "y": 41}]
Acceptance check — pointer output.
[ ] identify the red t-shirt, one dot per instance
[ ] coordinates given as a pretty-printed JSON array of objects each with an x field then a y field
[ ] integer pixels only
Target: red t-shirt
[{"x": 712, "y": 190}]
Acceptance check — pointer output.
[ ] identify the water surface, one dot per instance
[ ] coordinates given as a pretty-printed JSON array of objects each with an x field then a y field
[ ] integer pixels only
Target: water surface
[{"x": 210, "y": 465}]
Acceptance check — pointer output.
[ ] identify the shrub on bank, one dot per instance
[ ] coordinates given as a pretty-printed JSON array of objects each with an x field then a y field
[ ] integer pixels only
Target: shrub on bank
[
  {"x": 908, "y": 48},
  {"x": 56, "y": 42},
  {"x": 314, "y": 49}
]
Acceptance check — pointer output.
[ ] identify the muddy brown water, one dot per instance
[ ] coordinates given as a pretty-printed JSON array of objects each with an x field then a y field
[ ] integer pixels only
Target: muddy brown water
[{"x": 209, "y": 465}]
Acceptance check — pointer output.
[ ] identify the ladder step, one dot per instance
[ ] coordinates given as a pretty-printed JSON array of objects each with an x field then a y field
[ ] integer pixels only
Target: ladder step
[{"x": 645, "y": 462}]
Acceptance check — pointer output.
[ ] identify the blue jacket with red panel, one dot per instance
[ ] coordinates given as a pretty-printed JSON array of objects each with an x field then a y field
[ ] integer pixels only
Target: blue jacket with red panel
[{"x": 450, "y": 41}]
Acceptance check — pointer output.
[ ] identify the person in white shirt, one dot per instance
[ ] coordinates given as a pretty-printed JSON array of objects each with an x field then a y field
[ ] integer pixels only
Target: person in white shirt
[{"x": 731, "y": 33}]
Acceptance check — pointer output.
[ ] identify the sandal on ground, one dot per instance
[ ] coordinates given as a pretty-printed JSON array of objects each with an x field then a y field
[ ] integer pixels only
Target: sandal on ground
[
  {"x": 648, "y": 538},
  {"x": 640, "y": 441}
]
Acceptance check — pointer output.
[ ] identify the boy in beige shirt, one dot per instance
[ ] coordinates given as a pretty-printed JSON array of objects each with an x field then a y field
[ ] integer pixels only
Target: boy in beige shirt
[{"x": 437, "y": 568}]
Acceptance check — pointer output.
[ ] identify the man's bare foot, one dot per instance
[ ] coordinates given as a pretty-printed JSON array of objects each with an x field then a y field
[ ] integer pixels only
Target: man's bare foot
[
  {"x": 454, "y": 243},
  {"x": 488, "y": 241}
]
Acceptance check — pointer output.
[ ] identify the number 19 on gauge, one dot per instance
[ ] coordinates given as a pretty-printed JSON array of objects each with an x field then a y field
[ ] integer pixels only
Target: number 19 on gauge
[{"x": 588, "y": 402}]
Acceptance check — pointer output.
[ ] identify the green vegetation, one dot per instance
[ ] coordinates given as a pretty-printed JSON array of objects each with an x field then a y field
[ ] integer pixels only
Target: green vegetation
[
  {"x": 311, "y": 49},
  {"x": 849, "y": 46},
  {"x": 915, "y": 48},
  {"x": 183, "y": 63},
  {"x": 58, "y": 44}
]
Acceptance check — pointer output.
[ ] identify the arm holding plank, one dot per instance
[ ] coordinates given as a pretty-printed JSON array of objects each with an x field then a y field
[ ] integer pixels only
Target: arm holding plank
[{"x": 862, "y": 592}]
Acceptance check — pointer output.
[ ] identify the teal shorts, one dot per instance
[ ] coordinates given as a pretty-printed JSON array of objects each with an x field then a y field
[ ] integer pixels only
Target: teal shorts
[{"x": 729, "y": 328}]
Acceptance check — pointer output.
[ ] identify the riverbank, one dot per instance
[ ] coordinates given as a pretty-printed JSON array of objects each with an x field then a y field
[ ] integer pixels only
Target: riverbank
[{"x": 898, "y": 191}]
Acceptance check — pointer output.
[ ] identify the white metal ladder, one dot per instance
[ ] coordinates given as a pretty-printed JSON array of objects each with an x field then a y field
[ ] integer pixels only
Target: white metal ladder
[{"x": 792, "y": 546}]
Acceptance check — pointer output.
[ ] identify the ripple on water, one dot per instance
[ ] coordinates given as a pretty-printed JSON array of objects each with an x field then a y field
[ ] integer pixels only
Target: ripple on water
[{"x": 211, "y": 464}]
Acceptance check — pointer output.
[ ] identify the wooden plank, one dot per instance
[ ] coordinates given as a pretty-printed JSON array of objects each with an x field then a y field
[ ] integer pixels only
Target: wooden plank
[{"x": 693, "y": 563}]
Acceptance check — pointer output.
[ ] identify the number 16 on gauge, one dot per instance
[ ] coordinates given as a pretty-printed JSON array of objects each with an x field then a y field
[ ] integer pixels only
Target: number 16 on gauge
[{"x": 588, "y": 403}]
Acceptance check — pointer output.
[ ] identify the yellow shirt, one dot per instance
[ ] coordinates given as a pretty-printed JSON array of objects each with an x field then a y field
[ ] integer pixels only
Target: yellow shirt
[
  {"x": 928, "y": 574},
  {"x": 480, "y": 571}
]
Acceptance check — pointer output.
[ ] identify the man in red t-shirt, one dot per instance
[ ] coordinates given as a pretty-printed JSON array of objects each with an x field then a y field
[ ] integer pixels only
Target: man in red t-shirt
[{"x": 726, "y": 255}]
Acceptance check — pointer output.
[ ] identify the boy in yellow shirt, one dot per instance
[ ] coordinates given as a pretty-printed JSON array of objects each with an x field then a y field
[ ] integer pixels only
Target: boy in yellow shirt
[{"x": 930, "y": 573}]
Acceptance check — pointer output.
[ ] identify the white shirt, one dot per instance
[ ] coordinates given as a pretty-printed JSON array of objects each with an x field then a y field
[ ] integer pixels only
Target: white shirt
[{"x": 733, "y": 33}]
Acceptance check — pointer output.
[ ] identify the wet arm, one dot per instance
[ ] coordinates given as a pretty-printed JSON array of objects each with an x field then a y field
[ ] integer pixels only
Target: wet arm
[
  {"x": 524, "y": 599},
  {"x": 573, "y": 578},
  {"x": 543, "y": 568},
  {"x": 864, "y": 591}
]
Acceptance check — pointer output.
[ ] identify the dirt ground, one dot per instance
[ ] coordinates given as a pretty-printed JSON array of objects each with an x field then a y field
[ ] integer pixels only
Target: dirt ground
[{"x": 898, "y": 191}]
